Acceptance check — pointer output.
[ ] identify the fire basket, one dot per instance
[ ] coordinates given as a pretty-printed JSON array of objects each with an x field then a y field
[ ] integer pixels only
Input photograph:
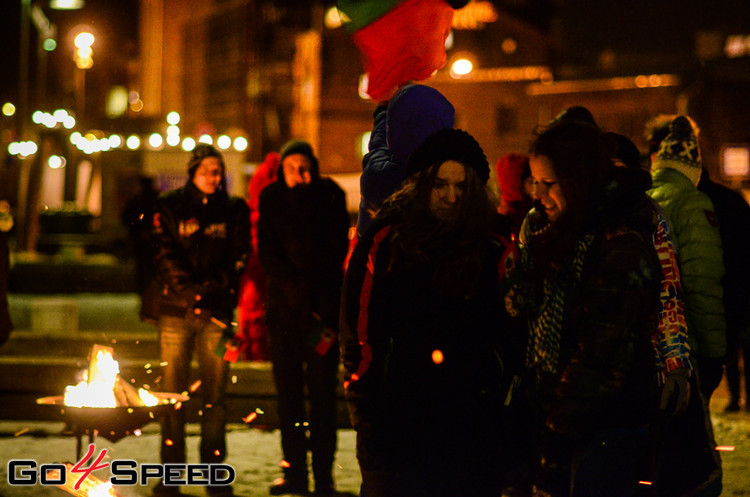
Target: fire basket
[{"x": 123, "y": 411}]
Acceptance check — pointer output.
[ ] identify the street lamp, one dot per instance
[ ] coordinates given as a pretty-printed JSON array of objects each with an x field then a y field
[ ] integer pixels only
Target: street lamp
[{"x": 83, "y": 56}]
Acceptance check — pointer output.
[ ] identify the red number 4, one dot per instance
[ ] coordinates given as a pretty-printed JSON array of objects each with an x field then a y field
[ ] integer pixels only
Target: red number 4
[{"x": 87, "y": 471}]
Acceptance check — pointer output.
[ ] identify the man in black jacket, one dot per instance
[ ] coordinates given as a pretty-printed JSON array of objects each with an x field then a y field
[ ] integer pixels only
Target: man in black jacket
[
  {"x": 302, "y": 243},
  {"x": 202, "y": 237}
]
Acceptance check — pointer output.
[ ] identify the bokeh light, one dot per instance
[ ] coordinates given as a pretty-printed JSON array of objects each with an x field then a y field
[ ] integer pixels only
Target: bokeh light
[
  {"x": 240, "y": 144},
  {"x": 133, "y": 142},
  {"x": 173, "y": 118},
  {"x": 224, "y": 142}
]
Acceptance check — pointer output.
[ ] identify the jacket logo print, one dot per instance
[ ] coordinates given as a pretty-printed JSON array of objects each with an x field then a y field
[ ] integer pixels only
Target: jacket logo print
[
  {"x": 188, "y": 227},
  {"x": 218, "y": 230}
]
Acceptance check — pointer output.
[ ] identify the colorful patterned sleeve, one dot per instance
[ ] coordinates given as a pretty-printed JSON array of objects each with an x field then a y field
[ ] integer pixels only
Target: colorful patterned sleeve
[{"x": 670, "y": 342}]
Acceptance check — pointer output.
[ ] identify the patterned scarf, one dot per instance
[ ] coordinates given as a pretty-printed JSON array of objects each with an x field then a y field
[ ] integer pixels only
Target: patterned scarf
[{"x": 545, "y": 326}]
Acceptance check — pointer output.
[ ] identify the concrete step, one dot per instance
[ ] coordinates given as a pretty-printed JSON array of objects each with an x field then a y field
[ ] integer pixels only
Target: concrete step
[{"x": 73, "y": 312}]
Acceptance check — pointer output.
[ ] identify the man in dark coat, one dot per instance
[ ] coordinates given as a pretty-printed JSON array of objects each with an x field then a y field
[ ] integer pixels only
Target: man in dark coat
[
  {"x": 202, "y": 238},
  {"x": 302, "y": 242},
  {"x": 733, "y": 214}
]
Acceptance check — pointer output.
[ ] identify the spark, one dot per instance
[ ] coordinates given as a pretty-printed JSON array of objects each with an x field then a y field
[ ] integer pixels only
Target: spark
[
  {"x": 725, "y": 448},
  {"x": 234, "y": 379},
  {"x": 217, "y": 452},
  {"x": 21, "y": 432},
  {"x": 162, "y": 364},
  {"x": 147, "y": 366},
  {"x": 168, "y": 442},
  {"x": 285, "y": 464},
  {"x": 259, "y": 410},
  {"x": 194, "y": 386},
  {"x": 137, "y": 432},
  {"x": 437, "y": 356},
  {"x": 250, "y": 417},
  {"x": 643, "y": 482}
]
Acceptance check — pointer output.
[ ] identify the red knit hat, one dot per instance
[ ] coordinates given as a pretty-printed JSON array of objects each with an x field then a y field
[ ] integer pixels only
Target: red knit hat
[{"x": 511, "y": 170}]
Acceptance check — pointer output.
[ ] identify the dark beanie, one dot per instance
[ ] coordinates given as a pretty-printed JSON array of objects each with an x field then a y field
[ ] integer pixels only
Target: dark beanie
[
  {"x": 200, "y": 152},
  {"x": 449, "y": 144},
  {"x": 623, "y": 149},
  {"x": 299, "y": 147},
  {"x": 576, "y": 113}
]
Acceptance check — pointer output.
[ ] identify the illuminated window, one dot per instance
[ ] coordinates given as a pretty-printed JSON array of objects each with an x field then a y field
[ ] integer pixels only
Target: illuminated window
[{"x": 735, "y": 160}]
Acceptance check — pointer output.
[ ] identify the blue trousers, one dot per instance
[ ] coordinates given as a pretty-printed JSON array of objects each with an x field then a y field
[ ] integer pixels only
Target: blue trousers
[{"x": 178, "y": 339}]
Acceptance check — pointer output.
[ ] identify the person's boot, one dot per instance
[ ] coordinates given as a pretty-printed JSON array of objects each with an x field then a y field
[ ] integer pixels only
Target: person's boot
[
  {"x": 324, "y": 488},
  {"x": 324, "y": 483}
]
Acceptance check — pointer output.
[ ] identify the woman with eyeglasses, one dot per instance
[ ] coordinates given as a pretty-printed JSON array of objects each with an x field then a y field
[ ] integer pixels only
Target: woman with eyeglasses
[{"x": 590, "y": 292}]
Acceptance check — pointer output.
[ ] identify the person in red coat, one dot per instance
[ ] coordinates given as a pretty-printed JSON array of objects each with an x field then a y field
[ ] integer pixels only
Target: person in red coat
[{"x": 252, "y": 333}]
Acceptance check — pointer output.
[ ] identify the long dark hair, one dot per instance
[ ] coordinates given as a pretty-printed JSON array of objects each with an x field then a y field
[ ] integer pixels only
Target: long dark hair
[
  {"x": 455, "y": 248},
  {"x": 581, "y": 160}
]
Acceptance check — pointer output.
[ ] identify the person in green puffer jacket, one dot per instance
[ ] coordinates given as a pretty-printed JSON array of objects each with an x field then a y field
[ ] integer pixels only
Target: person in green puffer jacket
[{"x": 676, "y": 169}]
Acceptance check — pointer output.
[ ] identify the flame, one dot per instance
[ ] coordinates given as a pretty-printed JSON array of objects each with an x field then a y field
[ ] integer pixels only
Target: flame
[
  {"x": 97, "y": 391},
  {"x": 101, "y": 490},
  {"x": 147, "y": 397},
  {"x": 97, "y": 388},
  {"x": 91, "y": 487}
]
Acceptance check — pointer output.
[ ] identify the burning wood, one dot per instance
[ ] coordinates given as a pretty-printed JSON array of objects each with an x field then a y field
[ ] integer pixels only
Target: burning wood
[{"x": 102, "y": 385}]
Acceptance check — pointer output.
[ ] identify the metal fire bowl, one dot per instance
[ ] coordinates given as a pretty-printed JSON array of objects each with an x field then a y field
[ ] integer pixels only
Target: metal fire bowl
[{"x": 112, "y": 423}]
